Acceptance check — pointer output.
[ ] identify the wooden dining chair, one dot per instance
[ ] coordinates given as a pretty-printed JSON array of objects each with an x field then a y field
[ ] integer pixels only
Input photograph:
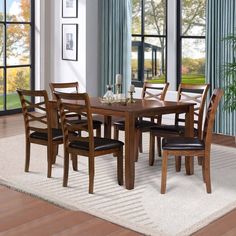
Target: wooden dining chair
[
  {"x": 143, "y": 124},
  {"x": 187, "y": 146},
  {"x": 85, "y": 144},
  {"x": 73, "y": 87},
  {"x": 186, "y": 93},
  {"x": 38, "y": 125}
]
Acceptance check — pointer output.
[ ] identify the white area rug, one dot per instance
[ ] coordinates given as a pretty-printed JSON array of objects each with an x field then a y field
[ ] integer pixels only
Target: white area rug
[{"x": 185, "y": 208}]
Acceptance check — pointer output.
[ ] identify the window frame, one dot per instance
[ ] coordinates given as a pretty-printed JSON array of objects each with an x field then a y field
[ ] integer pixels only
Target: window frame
[
  {"x": 179, "y": 42},
  {"x": 31, "y": 65},
  {"x": 142, "y": 36}
]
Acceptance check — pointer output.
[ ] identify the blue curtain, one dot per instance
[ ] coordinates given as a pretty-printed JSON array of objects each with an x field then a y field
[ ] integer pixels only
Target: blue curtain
[
  {"x": 115, "y": 35},
  {"x": 221, "y": 22}
]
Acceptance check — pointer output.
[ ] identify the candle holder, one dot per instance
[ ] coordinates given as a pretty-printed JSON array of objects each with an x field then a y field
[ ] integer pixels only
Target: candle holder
[
  {"x": 118, "y": 89},
  {"x": 131, "y": 97}
]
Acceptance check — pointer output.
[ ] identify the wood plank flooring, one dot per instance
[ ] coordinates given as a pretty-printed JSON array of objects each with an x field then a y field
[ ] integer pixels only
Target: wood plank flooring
[{"x": 21, "y": 214}]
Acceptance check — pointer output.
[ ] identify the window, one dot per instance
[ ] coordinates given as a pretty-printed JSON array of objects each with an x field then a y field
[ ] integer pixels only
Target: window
[
  {"x": 191, "y": 25},
  {"x": 148, "y": 41},
  {"x": 16, "y": 51}
]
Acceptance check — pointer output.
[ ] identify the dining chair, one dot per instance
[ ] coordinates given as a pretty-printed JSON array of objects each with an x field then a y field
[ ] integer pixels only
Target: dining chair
[
  {"x": 188, "y": 146},
  {"x": 73, "y": 87},
  {"x": 85, "y": 144},
  {"x": 38, "y": 125},
  {"x": 186, "y": 93},
  {"x": 143, "y": 124}
]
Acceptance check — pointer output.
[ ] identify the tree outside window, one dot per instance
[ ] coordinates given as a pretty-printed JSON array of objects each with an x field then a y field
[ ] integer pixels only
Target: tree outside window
[
  {"x": 191, "y": 41},
  {"x": 16, "y": 32},
  {"x": 148, "y": 41}
]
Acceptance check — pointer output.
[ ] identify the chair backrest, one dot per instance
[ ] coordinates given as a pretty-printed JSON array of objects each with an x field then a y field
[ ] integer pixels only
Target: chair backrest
[
  {"x": 79, "y": 105},
  {"x": 154, "y": 91},
  {"x": 197, "y": 94},
  {"x": 35, "y": 109},
  {"x": 72, "y": 87},
  {"x": 210, "y": 117}
]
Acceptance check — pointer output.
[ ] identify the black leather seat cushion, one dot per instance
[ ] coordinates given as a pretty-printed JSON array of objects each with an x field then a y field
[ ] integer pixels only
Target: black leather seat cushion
[
  {"x": 57, "y": 135},
  {"x": 99, "y": 144},
  {"x": 96, "y": 123},
  {"x": 139, "y": 124},
  {"x": 170, "y": 129},
  {"x": 182, "y": 143}
]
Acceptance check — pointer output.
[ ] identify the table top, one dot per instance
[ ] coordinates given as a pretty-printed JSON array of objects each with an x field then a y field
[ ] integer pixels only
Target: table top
[{"x": 140, "y": 106}]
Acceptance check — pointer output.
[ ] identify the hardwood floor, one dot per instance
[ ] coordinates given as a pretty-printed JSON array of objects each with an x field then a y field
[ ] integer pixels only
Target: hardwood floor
[{"x": 21, "y": 214}]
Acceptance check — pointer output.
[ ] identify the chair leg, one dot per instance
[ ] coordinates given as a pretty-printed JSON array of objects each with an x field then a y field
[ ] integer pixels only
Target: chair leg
[
  {"x": 49, "y": 157},
  {"x": 55, "y": 152},
  {"x": 66, "y": 169},
  {"x": 159, "y": 146},
  {"x": 27, "y": 156},
  {"x": 120, "y": 167},
  {"x": 151, "y": 149},
  {"x": 203, "y": 170},
  {"x": 116, "y": 133},
  {"x": 91, "y": 174},
  {"x": 207, "y": 173},
  {"x": 98, "y": 132},
  {"x": 164, "y": 172},
  {"x": 189, "y": 165},
  {"x": 74, "y": 159},
  {"x": 140, "y": 143},
  {"x": 178, "y": 163}
]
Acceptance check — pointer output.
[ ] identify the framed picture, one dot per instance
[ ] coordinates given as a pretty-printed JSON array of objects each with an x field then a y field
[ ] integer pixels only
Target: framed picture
[
  {"x": 69, "y": 8},
  {"x": 70, "y": 42}
]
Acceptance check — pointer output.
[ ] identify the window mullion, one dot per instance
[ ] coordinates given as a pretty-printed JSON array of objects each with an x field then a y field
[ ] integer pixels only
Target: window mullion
[{"x": 5, "y": 56}]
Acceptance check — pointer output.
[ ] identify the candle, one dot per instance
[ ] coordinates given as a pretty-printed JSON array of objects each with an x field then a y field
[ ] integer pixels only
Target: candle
[
  {"x": 118, "y": 79},
  {"x": 131, "y": 88}
]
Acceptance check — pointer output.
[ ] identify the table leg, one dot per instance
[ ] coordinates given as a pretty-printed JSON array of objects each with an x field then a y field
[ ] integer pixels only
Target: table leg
[
  {"x": 107, "y": 126},
  {"x": 129, "y": 150},
  {"x": 189, "y": 132}
]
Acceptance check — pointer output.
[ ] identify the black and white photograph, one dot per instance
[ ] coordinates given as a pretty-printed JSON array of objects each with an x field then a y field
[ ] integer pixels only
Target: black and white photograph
[
  {"x": 69, "y": 8},
  {"x": 69, "y": 41}
]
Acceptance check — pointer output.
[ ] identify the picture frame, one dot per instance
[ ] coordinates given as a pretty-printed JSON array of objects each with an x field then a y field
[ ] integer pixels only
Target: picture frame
[
  {"x": 69, "y": 8},
  {"x": 70, "y": 42}
]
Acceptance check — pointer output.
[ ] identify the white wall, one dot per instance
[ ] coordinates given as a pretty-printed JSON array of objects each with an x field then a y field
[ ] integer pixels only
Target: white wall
[
  {"x": 62, "y": 70},
  {"x": 171, "y": 44},
  {"x": 39, "y": 35},
  {"x": 52, "y": 68}
]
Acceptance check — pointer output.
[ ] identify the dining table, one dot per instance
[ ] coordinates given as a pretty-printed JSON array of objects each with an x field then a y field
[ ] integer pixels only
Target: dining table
[{"x": 130, "y": 111}]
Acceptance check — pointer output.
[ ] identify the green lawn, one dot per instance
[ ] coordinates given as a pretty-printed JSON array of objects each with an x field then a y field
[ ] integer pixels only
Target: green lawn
[
  {"x": 13, "y": 101},
  {"x": 194, "y": 79},
  {"x": 190, "y": 79}
]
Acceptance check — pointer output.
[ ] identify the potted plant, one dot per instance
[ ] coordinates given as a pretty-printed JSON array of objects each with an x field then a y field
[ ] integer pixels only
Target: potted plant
[{"x": 230, "y": 75}]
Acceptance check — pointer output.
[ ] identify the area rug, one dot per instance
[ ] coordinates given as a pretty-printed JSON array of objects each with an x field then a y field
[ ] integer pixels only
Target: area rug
[{"x": 185, "y": 208}]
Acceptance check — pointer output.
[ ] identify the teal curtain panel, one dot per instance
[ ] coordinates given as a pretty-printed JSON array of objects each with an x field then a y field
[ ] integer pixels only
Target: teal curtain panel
[
  {"x": 115, "y": 39},
  {"x": 221, "y": 22}
]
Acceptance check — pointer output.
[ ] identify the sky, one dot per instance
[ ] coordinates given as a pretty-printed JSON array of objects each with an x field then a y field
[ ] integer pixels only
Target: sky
[{"x": 12, "y": 6}]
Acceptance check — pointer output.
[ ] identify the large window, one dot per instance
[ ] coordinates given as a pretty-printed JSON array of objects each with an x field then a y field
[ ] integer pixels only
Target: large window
[
  {"x": 16, "y": 51},
  {"x": 191, "y": 25},
  {"x": 148, "y": 41}
]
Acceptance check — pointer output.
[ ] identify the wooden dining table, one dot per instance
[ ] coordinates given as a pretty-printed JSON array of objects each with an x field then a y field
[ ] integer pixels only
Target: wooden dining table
[{"x": 131, "y": 111}]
